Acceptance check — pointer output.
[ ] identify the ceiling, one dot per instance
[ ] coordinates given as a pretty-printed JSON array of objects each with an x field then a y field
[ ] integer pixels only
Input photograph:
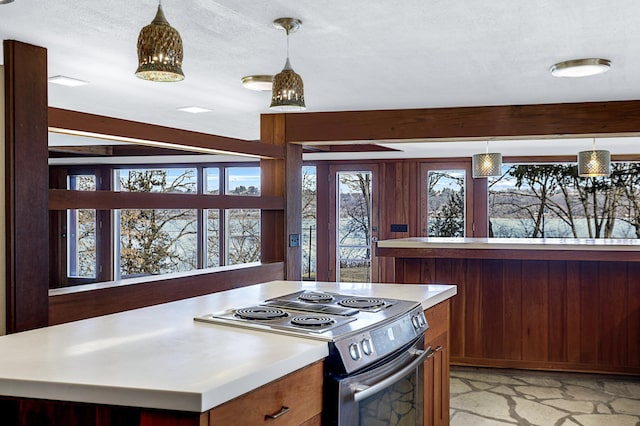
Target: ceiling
[{"x": 352, "y": 55}]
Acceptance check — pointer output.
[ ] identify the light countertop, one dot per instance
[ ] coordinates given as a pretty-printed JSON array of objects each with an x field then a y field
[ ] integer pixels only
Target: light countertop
[
  {"x": 159, "y": 357},
  {"x": 586, "y": 244}
]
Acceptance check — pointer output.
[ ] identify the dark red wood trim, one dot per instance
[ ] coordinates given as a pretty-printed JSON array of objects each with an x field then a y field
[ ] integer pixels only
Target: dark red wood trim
[
  {"x": 545, "y": 366},
  {"x": 26, "y": 174},
  {"x": 96, "y": 124},
  {"x": 521, "y": 254},
  {"x": 72, "y": 306},
  {"x": 62, "y": 199},
  {"x": 543, "y": 120}
]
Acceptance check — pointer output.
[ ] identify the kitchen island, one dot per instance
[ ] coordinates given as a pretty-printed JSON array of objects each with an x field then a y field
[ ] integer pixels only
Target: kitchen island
[
  {"x": 162, "y": 363},
  {"x": 555, "y": 304}
]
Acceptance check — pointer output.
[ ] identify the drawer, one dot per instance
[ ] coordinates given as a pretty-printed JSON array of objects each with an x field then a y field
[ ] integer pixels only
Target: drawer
[{"x": 300, "y": 392}]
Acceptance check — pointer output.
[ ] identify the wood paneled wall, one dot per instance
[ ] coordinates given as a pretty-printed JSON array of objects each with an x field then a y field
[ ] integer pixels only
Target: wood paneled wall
[
  {"x": 66, "y": 305},
  {"x": 540, "y": 314}
]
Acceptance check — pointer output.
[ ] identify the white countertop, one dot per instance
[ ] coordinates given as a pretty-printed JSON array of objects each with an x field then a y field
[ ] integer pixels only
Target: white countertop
[
  {"x": 158, "y": 357},
  {"x": 591, "y": 244}
]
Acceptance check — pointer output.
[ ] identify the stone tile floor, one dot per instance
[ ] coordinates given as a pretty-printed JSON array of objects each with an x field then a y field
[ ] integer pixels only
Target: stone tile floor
[{"x": 484, "y": 397}]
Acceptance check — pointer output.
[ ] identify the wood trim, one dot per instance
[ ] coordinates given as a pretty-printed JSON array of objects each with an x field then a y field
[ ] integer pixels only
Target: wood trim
[
  {"x": 72, "y": 306},
  {"x": 436, "y": 253},
  {"x": 27, "y": 224},
  {"x": 62, "y": 199},
  {"x": 282, "y": 178},
  {"x": 324, "y": 268},
  {"x": 545, "y": 366},
  {"x": 510, "y": 121},
  {"x": 100, "y": 125}
]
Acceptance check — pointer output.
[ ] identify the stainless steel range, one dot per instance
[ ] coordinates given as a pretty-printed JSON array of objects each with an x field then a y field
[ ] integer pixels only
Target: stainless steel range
[{"x": 375, "y": 349}]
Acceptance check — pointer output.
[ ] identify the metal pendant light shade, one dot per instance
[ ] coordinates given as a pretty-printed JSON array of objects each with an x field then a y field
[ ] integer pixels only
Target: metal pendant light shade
[
  {"x": 160, "y": 51},
  {"x": 287, "y": 92},
  {"x": 594, "y": 163},
  {"x": 487, "y": 164}
]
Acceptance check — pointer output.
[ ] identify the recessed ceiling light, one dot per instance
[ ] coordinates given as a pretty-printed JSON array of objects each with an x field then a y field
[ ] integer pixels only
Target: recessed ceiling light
[
  {"x": 258, "y": 82},
  {"x": 67, "y": 81},
  {"x": 580, "y": 67},
  {"x": 194, "y": 109}
]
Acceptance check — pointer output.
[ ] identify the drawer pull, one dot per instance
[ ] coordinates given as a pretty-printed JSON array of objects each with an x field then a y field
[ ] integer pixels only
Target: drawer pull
[{"x": 284, "y": 410}]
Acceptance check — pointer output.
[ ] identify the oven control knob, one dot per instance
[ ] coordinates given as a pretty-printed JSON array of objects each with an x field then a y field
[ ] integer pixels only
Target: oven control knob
[
  {"x": 422, "y": 320},
  {"x": 415, "y": 321},
  {"x": 354, "y": 351},
  {"x": 367, "y": 348}
]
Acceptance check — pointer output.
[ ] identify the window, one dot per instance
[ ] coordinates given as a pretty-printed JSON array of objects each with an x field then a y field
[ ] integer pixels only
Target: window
[
  {"x": 309, "y": 226},
  {"x": 445, "y": 203},
  {"x": 81, "y": 232},
  {"x": 151, "y": 241},
  {"x": 353, "y": 226},
  {"x": 551, "y": 200},
  {"x": 243, "y": 236},
  {"x": 243, "y": 181}
]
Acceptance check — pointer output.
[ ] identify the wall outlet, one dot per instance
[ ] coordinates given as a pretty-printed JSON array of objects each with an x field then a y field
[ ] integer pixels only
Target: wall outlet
[{"x": 294, "y": 240}]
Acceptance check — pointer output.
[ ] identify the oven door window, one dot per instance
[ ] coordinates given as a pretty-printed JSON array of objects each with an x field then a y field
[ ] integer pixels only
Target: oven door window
[{"x": 398, "y": 404}]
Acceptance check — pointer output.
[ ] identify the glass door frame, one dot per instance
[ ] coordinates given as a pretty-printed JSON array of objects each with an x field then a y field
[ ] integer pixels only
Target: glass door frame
[{"x": 333, "y": 208}]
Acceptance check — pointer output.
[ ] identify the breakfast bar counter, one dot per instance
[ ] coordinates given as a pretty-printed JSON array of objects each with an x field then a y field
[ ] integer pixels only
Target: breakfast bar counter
[
  {"x": 514, "y": 248},
  {"x": 553, "y": 304}
]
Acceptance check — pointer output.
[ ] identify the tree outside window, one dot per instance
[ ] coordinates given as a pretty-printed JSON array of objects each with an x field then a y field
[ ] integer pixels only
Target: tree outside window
[{"x": 551, "y": 200}]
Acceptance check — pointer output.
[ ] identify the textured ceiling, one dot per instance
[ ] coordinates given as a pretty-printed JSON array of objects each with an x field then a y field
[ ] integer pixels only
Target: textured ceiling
[{"x": 352, "y": 55}]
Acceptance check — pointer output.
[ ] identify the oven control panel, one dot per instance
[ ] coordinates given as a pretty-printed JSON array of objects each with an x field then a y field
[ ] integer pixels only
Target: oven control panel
[{"x": 370, "y": 345}]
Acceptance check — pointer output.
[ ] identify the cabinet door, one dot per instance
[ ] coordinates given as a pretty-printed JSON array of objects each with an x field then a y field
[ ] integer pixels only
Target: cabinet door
[
  {"x": 436, "y": 384},
  {"x": 436, "y": 388}
]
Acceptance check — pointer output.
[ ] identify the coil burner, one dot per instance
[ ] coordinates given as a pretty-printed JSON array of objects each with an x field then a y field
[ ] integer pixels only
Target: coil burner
[
  {"x": 365, "y": 303},
  {"x": 315, "y": 297},
  {"x": 260, "y": 313},
  {"x": 312, "y": 321}
]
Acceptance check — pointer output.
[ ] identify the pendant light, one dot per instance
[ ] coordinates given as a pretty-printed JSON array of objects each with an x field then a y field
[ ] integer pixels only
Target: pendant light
[
  {"x": 594, "y": 163},
  {"x": 487, "y": 164},
  {"x": 159, "y": 51},
  {"x": 287, "y": 92}
]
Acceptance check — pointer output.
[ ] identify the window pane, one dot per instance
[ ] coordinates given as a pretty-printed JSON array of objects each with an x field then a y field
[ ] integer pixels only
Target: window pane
[
  {"x": 243, "y": 181},
  {"x": 552, "y": 201},
  {"x": 212, "y": 180},
  {"x": 157, "y": 241},
  {"x": 242, "y": 236},
  {"x": 354, "y": 226},
  {"x": 81, "y": 232},
  {"x": 81, "y": 243},
  {"x": 309, "y": 223},
  {"x": 213, "y": 238},
  {"x": 178, "y": 180},
  {"x": 445, "y": 203}
]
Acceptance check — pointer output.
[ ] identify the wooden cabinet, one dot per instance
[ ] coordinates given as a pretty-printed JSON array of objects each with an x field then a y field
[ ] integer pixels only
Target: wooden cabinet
[
  {"x": 436, "y": 367},
  {"x": 300, "y": 392},
  {"x": 294, "y": 400}
]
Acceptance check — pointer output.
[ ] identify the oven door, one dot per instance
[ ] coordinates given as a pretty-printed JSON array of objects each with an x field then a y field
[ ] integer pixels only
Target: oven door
[{"x": 389, "y": 393}]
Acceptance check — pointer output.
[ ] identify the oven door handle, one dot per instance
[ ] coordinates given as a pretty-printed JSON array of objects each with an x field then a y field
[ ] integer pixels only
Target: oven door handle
[{"x": 364, "y": 391}]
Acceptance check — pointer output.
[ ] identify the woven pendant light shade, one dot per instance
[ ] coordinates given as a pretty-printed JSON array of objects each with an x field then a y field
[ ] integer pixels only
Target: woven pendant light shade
[
  {"x": 287, "y": 92},
  {"x": 487, "y": 164},
  {"x": 594, "y": 163},
  {"x": 160, "y": 51}
]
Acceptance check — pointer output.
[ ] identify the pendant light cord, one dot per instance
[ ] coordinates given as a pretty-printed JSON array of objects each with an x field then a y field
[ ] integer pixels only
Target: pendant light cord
[{"x": 287, "y": 30}]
